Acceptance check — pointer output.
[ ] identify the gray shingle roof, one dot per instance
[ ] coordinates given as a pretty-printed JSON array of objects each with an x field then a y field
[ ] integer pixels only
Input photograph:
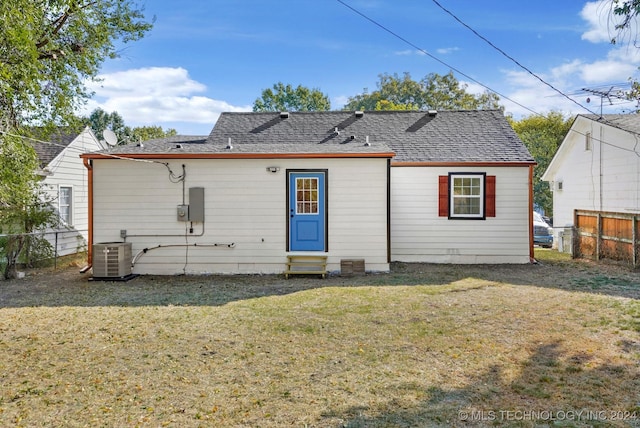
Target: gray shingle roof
[
  {"x": 46, "y": 152},
  {"x": 626, "y": 122},
  {"x": 448, "y": 136}
]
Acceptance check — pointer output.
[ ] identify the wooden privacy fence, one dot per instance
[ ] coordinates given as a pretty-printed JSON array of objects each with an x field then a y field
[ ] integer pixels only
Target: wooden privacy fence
[{"x": 606, "y": 235}]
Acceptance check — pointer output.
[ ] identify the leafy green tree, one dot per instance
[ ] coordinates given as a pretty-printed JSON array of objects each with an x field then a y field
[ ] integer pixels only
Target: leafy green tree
[
  {"x": 48, "y": 49},
  {"x": 629, "y": 11},
  {"x": 434, "y": 91},
  {"x": 99, "y": 120},
  {"x": 143, "y": 133},
  {"x": 384, "y": 105},
  {"x": 287, "y": 98},
  {"x": 542, "y": 135},
  {"x": 24, "y": 208}
]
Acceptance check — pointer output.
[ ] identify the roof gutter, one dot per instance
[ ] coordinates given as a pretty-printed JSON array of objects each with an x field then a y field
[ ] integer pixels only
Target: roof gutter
[
  {"x": 89, "y": 166},
  {"x": 460, "y": 163},
  {"x": 531, "y": 253},
  {"x": 152, "y": 156}
]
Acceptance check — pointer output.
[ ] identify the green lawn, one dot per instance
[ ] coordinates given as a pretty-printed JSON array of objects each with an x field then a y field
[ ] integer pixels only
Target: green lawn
[{"x": 554, "y": 344}]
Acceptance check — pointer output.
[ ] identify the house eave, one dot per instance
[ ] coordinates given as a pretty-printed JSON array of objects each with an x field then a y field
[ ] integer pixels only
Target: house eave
[
  {"x": 154, "y": 156},
  {"x": 461, "y": 164},
  {"x": 44, "y": 172}
]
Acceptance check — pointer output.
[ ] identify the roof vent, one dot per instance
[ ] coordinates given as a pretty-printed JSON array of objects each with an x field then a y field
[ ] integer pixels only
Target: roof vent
[
  {"x": 284, "y": 114},
  {"x": 432, "y": 112},
  {"x": 178, "y": 146},
  {"x": 336, "y": 131},
  {"x": 229, "y": 146},
  {"x": 359, "y": 113},
  {"x": 366, "y": 141}
]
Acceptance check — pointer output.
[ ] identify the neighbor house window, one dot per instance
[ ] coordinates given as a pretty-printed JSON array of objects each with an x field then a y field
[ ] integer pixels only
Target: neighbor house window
[
  {"x": 65, "y": 204},
  {"x": 467, "y": 196}
]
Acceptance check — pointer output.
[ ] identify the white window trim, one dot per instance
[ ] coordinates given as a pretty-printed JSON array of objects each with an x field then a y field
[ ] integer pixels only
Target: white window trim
[
  {"x": 481, "y": 197},
  {"x": 317, "y": 180},
  {"x": 71, "y": 204}
]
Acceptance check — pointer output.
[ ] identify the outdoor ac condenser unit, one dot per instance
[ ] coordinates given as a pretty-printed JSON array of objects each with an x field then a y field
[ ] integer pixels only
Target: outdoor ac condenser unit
[{"x": 112, "y": 260}]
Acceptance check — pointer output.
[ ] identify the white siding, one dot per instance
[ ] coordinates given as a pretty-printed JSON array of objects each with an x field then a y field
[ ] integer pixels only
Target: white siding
[
  {"x": 418, "y": 234},
  {"x": 605, "y": 178},
  {"x": 245, "y": 213},
  {"x": 67, "y": 169}
]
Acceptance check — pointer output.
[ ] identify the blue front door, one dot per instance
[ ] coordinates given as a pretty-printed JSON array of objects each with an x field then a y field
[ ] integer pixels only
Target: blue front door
[{"x": 307, "y": 215}]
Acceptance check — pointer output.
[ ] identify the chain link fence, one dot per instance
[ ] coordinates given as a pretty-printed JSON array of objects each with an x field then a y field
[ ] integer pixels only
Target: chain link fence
[{"x": 43, "y": 248}]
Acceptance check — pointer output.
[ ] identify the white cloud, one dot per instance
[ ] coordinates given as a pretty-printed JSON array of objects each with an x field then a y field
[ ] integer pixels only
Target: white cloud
[
  {"x": 338, "y": 102},
  {"x": 567, "y": 71},
  {"x": 473, "y": 88},
  {"x": 616, "y": 65},
  {"x": 607, "y": 71},
  {"x": 155, "y": 81},
  {"x": 156, "y": 96},
  {"x": 408, "y": 52},
  {"x": 445, "y": 51},
  {"x": 529, "y": 95},
  {"x": 599, "y": 21}
]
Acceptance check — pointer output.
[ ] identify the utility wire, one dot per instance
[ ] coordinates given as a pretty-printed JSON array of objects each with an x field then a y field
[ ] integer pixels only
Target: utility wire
[
  {"x": 483, "y": 85},
  {"x": 396, "y": 35},
  {"x": 79, "y": 151},
  {"x": 510, "y": 57}
]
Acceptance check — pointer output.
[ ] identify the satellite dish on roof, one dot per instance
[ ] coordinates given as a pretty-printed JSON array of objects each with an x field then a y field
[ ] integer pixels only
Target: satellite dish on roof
[{"x": 110, "y": 137}]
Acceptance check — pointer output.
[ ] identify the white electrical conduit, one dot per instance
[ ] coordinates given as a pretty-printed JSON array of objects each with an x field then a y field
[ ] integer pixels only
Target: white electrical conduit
[{"x": 146, "y": 250}]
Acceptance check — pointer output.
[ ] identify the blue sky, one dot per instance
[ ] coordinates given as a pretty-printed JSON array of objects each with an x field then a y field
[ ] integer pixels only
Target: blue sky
[{"x": 205, "y": 57}]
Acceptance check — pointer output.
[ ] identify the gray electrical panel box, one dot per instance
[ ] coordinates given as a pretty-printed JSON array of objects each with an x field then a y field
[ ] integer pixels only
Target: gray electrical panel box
[
  {"x": 196, "y": 204},
  {"x": 183, "y": 213}
]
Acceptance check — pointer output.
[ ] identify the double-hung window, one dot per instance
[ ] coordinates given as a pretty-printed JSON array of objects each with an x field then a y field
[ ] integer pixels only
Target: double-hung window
[
  {"x": 467, "y": 196},
  {"x": 65, "y": 204}
]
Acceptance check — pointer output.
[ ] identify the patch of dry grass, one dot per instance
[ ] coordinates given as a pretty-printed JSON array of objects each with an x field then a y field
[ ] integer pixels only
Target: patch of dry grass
[{"x": 426, "y": 345}]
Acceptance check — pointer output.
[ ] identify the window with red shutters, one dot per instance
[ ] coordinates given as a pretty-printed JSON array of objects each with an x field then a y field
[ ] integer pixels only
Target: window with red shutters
[{"x": 467, "y": 195}]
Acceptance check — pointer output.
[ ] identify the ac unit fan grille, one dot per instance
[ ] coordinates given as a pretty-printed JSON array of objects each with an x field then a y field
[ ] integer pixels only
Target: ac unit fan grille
[{"x": 112, "y": 260}]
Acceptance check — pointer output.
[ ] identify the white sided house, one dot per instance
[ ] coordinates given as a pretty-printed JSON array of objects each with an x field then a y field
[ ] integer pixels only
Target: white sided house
[
  {"x": 461, "y": 190},
  {"x": 596, "y": 168},
  {"x": 64, "y": 180},
  {"x": 265, "y": 186}
]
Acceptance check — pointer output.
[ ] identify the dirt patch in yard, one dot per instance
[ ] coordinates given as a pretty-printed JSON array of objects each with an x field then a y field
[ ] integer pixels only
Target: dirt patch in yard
[{"x": 67, "y": 287}]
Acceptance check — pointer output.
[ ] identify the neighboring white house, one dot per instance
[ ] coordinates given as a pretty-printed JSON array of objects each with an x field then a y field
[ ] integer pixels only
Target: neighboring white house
[
  {"x": 451, "y": 187},
  {"x": 64, "y": 179},
  {"x": 597, "y": 167}
]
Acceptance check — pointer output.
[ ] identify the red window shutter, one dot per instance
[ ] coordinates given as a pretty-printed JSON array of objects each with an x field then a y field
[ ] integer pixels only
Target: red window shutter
[
  {"x": 443, "y": 196},
  {"x": 490, "y": 196}
]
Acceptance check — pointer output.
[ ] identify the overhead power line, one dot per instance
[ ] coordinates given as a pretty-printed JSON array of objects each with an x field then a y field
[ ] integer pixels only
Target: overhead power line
[
  {"x": 510, "y": 57},
  {"x": 396, "y": 35},
  {"x": 79, "y": 151},
  {"x": 481, "y": 84}
]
